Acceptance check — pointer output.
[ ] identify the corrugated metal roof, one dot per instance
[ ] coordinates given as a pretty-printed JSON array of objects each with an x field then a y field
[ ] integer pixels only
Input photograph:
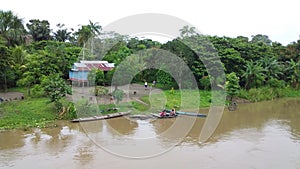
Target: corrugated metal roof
[{"x": 88, "y": 65}]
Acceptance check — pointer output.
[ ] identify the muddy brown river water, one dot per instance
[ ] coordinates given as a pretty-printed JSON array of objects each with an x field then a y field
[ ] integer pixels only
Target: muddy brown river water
[{"x": 255, "y": 136}]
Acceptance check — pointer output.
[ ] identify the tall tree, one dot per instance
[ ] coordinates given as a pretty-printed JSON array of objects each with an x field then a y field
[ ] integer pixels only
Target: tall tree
[
  {"x": 88, "y": 31},
  {"x": 11, "y": 28},
  {"x": 253, "y": 74},
  {"x": 293, "y": 72},
  {"x": 39, "y": 30},
  {"x": 259, "y": 38},
  {"x": 62, "y": 34},
  {"x": 187, "y": 31},
  {"x": 5, "y": 65},
  {"x": 273, "y": 68}
]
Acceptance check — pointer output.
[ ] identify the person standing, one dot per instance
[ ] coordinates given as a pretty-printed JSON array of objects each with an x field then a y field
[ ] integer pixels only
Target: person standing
[
  {"x": 173, "y": 112},
  {"x": 146, "y": 85}
]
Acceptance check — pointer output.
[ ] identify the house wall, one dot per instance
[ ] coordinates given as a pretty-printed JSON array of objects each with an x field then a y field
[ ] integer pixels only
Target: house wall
[{"x": 79, "y": 76}]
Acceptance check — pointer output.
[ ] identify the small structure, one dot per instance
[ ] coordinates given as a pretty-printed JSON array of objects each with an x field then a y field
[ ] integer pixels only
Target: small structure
[{"x": 79, "y": 72}]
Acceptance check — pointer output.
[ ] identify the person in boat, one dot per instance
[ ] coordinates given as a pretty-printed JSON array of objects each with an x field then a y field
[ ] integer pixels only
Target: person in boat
[
  {"x": 173, "y": 112},
  {"x": 163, "y": 113}
]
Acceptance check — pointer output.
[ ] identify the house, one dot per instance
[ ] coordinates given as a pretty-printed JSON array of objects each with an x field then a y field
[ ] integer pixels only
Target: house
[{"x": 79, "y": 72}]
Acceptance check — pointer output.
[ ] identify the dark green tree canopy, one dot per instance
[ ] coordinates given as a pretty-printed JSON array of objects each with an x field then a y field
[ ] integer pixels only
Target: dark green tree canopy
[{"x": 39, "y": 30}]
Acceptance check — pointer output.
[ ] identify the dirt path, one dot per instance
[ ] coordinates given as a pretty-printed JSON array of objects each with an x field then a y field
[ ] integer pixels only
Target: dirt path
[
  {"x": 9, "y": 96},
  {"x": 132, "y": 92}
]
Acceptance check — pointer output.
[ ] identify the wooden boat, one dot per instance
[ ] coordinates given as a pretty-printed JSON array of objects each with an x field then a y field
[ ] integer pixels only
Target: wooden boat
[
  {"x": 191, "y": 114},
  {"x": 108, "y": 116},
  {"x": 156, "y": 115}
]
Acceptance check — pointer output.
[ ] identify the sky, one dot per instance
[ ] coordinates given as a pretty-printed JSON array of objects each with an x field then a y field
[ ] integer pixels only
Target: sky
[{"x": 278, "y": 19}]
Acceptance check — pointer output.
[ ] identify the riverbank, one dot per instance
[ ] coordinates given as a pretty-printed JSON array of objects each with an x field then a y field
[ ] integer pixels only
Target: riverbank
[
  {"x": 27, "y": 113},
  {"x": 37, "y": 112}
]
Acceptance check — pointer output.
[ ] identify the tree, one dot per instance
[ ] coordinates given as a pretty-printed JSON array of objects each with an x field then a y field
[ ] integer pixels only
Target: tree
[
  {"x": 293, "y": 72},
  {"x": 187, "y": 31},
  {"x": 62, "y": 34},
  {"x": 232, "y": 85},
  {"x": 86, "y": 32},
  {"x": 118, "y": 95},
  {"x": 39, "y": 30},
  {"x": 96, "y": 77},
  {"x": 18, "y": 55},
  {"x": 273, "y": 68},
  {"x": 55, "y": 88},
  {"x": 259, "y": 38},
  {"x": 11, "y": 28},
  {"x": 5, "y": 65},
  {"x": 253, "y": 73}
]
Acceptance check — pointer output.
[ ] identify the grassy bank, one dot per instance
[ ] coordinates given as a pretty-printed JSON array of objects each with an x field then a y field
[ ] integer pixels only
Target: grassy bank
[
  {"x": 32, "y": 112},
  {"x": 37, "y": 112},
  {"x": 185, "y": 99},
  {"x": 267, "y": 93}
]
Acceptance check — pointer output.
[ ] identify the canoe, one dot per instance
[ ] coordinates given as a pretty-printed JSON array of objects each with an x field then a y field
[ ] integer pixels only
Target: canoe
[
  {"x": 162, "y": 117},
  {"x": 108, "y": 116},
  {"x": 191, "y": 114}
]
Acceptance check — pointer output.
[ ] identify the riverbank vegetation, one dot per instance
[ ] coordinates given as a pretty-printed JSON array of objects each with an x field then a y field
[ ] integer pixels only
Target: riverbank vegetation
[{"x": 36, "y": 60}]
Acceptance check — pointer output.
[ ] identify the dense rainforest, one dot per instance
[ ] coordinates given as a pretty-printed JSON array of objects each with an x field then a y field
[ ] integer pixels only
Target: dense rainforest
[{"x": 33, "y": 56}]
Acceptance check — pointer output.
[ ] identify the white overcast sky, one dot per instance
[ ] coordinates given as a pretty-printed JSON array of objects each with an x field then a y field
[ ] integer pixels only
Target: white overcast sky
[{"x": 279, "y": 19}]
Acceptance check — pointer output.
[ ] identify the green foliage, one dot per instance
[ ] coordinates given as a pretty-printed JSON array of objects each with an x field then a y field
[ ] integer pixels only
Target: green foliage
[
  {"x": 118, "y": 95},
  {"x": 62, "y": 34},
  {"x": 26, "y": 113},
  {"x": 139, "y": 106},
  {"x": 268, "y": 93},
  {"x": 37, "y": 91},
  {"x": 86, "y": 109},
  {"x": 96, "y": 77},
  {"x": 118, "y": 54},
  {"x": 293, "y": 72},
  {"x": 39, "y": 30},
  {"x": 86, "y": 32},
  {"x": 204, "y": 83},
  {"x": 55, "y": 88},
  {"x": 71, "y": 112},
  {"x": 259, "y": 38},
  {"x": 5, "y": 65},
  {"x": 100, "y": 90},
  {"x": 176, "y": 97},
  {"x": 275, "y": 83},
  {"x": 253, "y": 74},
  {"x": 11, "y": 28},
  {"x": 232, "y": 85},
  {"x": 165, "y": 79}
]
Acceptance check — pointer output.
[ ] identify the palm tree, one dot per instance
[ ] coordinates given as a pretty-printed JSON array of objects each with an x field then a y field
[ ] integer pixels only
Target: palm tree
[
  {"x": 293, "y": 70},
  {"x": 62, "y": 34},
  {"x": 11, "y": 28},
  {"x": 253, "y": 72},
  {"x": 273, "y": 68},
  {"x": 95, "y": 28},
  {"x": 88, "y": 32},
  {"x": 187, "y": 31},
  {"x": 39, "y": 30}
]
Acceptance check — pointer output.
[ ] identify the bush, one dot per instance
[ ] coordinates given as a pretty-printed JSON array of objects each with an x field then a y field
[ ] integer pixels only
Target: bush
[
  {"x": 275, "y": 83},
  {"x": 118, "y": 95},
  {"x": 267, "y": 93},
  {"x": 100, "y": 90},
  {"x": 37, "y": 91}
]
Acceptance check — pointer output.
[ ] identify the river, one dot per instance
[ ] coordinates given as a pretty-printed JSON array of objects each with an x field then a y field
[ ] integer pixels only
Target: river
[{"x": 255, "y": 136}]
